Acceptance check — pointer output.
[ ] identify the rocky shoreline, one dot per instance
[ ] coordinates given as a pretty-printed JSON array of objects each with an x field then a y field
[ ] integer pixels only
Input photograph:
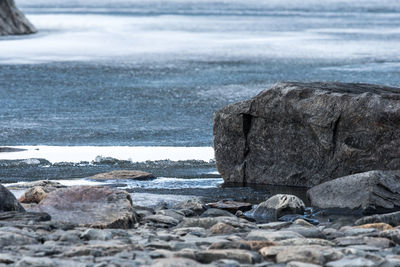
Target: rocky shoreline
[{"x": 190, "y": 233}]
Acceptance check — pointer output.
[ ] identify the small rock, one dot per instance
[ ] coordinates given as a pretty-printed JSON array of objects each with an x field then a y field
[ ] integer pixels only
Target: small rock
[
  {"x": 306, "y": 231},
  {"x": 277, "y": 206},
  {"x": 33, "y": 195},
  {"x": 196, "y": 231},
  {"x": 305, "y": 242},
  {"x": 273, "y": 225},
  {"x": 6, "y": 258},
  {"x": 300, "y": 264},
  {"x": 221, "y": 229},
  {"x": 241, "y": 256},
  {"x": 208, "y": 222},
  {"x": 176, "y": 214},
  {"x": 123, "y": 175},
  {"x": 216, "y": 213},
  {"x": 167, "y": 220},
  {"x": 96, "y": 234},
  {"x": 363, "y": 240},
  {"x": 378, "y": 226},
  {"x": 351, "y": 262},
  {"x": 310, "y": 254},
  {"x": 41, "y": 183},
  {"x": 175, "y": 262},
  {"x": 255, "y": 245},
  {"x": 272, "y": 235},
  {"x": 195, "y": 205},
  {"x": 8, "y": 202},
  {"x": 393, "y": 235},
  {"x": 231, "y": 206}
]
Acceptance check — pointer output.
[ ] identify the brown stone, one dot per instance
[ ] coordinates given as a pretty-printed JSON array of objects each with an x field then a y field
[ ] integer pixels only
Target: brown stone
[
  {"x": 91, "y": 206},
  {"x": 123, "y": 175},
  {"x": 378, "y": 226},
  {"x": 33, "y": 195}
]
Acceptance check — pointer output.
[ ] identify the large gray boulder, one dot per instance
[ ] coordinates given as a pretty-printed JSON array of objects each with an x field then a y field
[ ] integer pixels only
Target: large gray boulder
[
  {"x": 12, "y": 20},
  {"x": 304, "y": 134},
  {"x": 373, "y": 191},
  {"x": 8, "y": 202}
]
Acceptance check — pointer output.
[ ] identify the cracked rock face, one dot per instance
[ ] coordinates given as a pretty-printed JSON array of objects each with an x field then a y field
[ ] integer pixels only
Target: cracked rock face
[
  {"x": 304, "y": 134},
  {"x": 13, "y": 21}
]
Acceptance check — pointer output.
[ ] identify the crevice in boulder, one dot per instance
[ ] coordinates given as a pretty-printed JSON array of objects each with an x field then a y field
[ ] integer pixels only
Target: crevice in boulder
[
  {"x": 335, "y": 133},
  {"x": 247, "y": 121}
]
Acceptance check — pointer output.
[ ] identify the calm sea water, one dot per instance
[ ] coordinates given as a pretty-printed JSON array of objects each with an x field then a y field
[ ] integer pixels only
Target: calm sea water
[{"x": 151, "y": 73}]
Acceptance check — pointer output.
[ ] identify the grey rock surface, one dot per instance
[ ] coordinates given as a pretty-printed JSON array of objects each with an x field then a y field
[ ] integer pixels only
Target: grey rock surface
[
  {"x": 8, "y": 202},
  {"x": 92, "y": 206},
  {"x": 277, "y": 206},
  {"x": 12, "y": 20},
  {"x": 392, "y": 218},
  {"x": 304, "y": 134},
  {"x": 373, "y": 191}
]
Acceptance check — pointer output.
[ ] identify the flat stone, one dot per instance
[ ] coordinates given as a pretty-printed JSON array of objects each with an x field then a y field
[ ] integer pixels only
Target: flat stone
[
  {"x": 305, "y": 242},
  {"x": 241, "y": 256},
  {"x": 301, "y": 264},
  {"x": 167, "y": 220},
  {"x": 175, "y": 262},
  {"x": 363, "y": 240},
  {"x": 231, "y": 206},
  {"x": 273, "y": 225},
  {"x": 96, "y": 234},
  {"x": 310, "y": 254},
  {"x": 358, "y": 231},
  {"x": 182, "y": 231},
  {"x": 221, "y": 229},
  {"x": 351, "y": 262},
  {"x": 255, "y": 245},
  {"x": 92, "y": 206},
  {"x": 208, "y": 222},
  {"x": 24, "y": 217},
  {"x": 306, "y": 231},
  {"x": 272, "y": 235},
  {"x": 176, "y": 214},
  {"x": 15, "y": 239},
  {"x": 304, "y": 134},
  {"x": 123, "y": 175},
  {"x": 378, "y": 226},
  {"x": 216, "y": 213}
]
